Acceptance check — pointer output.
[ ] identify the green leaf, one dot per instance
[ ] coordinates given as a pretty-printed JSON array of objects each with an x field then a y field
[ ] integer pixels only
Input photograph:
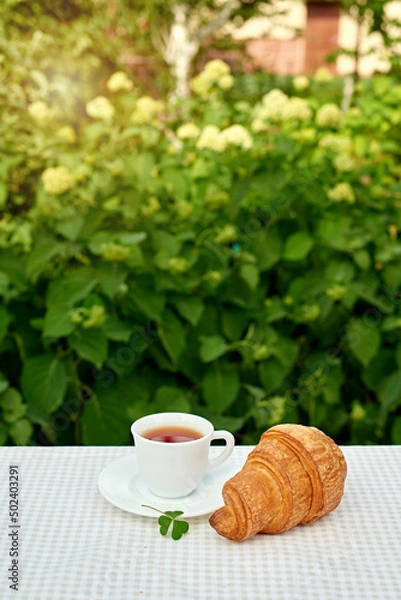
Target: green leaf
[
  {"x": 143, "y": 293},
  {"x": 43, "y": 382},
  {"x": 5, "y": 319},
  {"x": 212, "y": 347},
  {"x": 250, "y": 274},
  {"x": 363, "y": 340},
  {"x": 70, "y": 229},
  {"x": 297, "y": 246},
  {"x": 234, "y": 321},
  {"x": 131, "y": 238},
  {"x": 111, "y": 276},
  {"x": 362, "y": 259},
  {"x": 167, "y": 519},
  {"x": 41, "y": 255},
  {"x": 21, "y": 432},
  {"x": 220, "y": 387},
  {"x": 267, "y": 247},
  {"x": 104, "y": 236},
  {"x": 396, "y": 431},
  {"x": 380, "y": 367},
  {"x": 164, "y": 523},
  {"x": 170, "y": 399},
  {"x": 172, "y": 335},
  {"x": 180, "y": 528},
  {"x": 4, "y": 283},
  {"x": 3, "y": 434},
  {"x": 143, "y": 167},
  {"x": 90, "y": 344},
  {"x": 71, "y": 287},
  {"x": 3, "y": 194},
  {"x": 4, "y": 384},
  {"x": 272, "y": 374},
  {"x": 57, "y": 322},
  {"x": 286, "y": 350},
  {"x": 174, "y": 513},
  {"x": 105, "y": 420},
  {"x": 117, "y": 330},
  {"x": 190, "y": 307},
  {"x": 339, "y": 271},
  {"x": 335, "y": 232},
  {"x": 11, "y": 399},
  {"x": 389, "y": 391}
]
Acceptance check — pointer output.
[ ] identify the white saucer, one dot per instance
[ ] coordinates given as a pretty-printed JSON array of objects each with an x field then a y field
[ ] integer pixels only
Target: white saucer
[{"x": 121, "y": 485}]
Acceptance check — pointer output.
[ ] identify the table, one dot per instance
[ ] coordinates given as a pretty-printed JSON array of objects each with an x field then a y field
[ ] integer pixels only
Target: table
[{"x": 74, "y": 545}]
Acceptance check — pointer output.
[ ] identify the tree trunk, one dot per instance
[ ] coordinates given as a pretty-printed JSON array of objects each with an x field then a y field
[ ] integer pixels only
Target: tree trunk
[{"x": 181, "y": 50}]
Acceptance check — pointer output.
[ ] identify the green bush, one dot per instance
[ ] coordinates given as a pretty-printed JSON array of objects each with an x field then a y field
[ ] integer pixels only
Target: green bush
[{"x": 240, "y": 261}]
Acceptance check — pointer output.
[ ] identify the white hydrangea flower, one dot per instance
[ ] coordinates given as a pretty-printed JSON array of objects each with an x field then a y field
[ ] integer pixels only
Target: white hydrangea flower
[
  {"x": 338, "y": 143},
  {"x": 329, "y": 115},
  {"x": 226, "y": 82},
  {"x": 296, "y": 108},
  {"x": 323, "y": 75},
  {"x": 236, "y": 135},
  {"x": 273, "y": 105},
  {"x": 301, "y": 82},
  {"x": 216, "y": 68},
  {"x": 342, "y": 192},
  {"x": 210, "y": 138},
  {"x": 146, "y": 110},
  {"x": 100, "y": 108},
  {"x": 258, "y": 125},
  {"x": 57, "y": 180},
  {"x": 344, "y": 162},
  {"x": 188, "y": 131},
  {"x": 216, "y": 72},
  {"x": 119, "y": 82},
  {"x": 67, "y": 133},
  {"x": 39, "y": 110}
]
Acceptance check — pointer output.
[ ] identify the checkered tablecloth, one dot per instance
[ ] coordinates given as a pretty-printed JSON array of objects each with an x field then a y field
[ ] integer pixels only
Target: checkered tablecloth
[{"x": 74, "y": 545}]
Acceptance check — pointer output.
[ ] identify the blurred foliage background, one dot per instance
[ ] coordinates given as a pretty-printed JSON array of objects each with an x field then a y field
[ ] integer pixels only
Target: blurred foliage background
[{"x": 233, "y": 253}]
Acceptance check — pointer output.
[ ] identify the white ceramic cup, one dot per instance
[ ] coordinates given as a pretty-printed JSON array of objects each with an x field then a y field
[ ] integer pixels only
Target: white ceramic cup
[{"x": 174, "y": 470}]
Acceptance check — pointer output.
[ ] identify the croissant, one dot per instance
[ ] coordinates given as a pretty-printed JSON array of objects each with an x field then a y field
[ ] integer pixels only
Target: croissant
[{"x": 295, "y": 474}]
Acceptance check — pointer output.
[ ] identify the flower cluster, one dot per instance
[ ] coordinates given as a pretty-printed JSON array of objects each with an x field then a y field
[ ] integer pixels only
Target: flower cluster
[
  {"x": 39, "y": 110},
  {"x": 344, "y": 162},
  {"x": 213, "y": 277},
  {"x": 323, "y": 75},
  {"x": 146, "y": 110},
  {"x": 151, "y": 208},
  {"x": 337, "y": 143},
  {"x": 210, "y": 138},
  {"x": 188, "y": 131},
  {"x": 236, "y": 135},
  {"x": 67, "y": 134},
  {"x": 100, "y": 108},
  {"x": 301, "y": 82},
  {"x": 329, "y": 116},
  {"x": 177, "y": 265},
  {"x": 119, "y": 82},
  {"x": 226, "y": 235},
  {"x": 114, "y": 252},
  {"x": 342, "y": 192},
  {"x": 278, "y": 107},
  {"x": 57, "y": 180},
  {"x": 218, "y": 140},
  {"x": 15, "y": 233},
  {"x": 88, "y": 318},
  {"x": 216, "y": 73}
]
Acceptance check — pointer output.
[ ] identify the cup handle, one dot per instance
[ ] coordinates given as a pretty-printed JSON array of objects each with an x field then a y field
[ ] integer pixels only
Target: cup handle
[{"x": 228, "y": 448}]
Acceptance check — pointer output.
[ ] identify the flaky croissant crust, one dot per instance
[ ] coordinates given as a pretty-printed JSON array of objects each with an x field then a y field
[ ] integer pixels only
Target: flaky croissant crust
[{"x": 294, "y": 475}]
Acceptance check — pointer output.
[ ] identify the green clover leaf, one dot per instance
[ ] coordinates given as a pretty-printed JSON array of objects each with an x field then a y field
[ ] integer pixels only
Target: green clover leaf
[{"x": 168, "y": 518}]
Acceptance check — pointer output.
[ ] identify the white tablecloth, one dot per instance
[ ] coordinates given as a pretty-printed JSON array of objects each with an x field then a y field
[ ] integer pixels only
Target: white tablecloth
[{"x": 75, "y": 545}]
